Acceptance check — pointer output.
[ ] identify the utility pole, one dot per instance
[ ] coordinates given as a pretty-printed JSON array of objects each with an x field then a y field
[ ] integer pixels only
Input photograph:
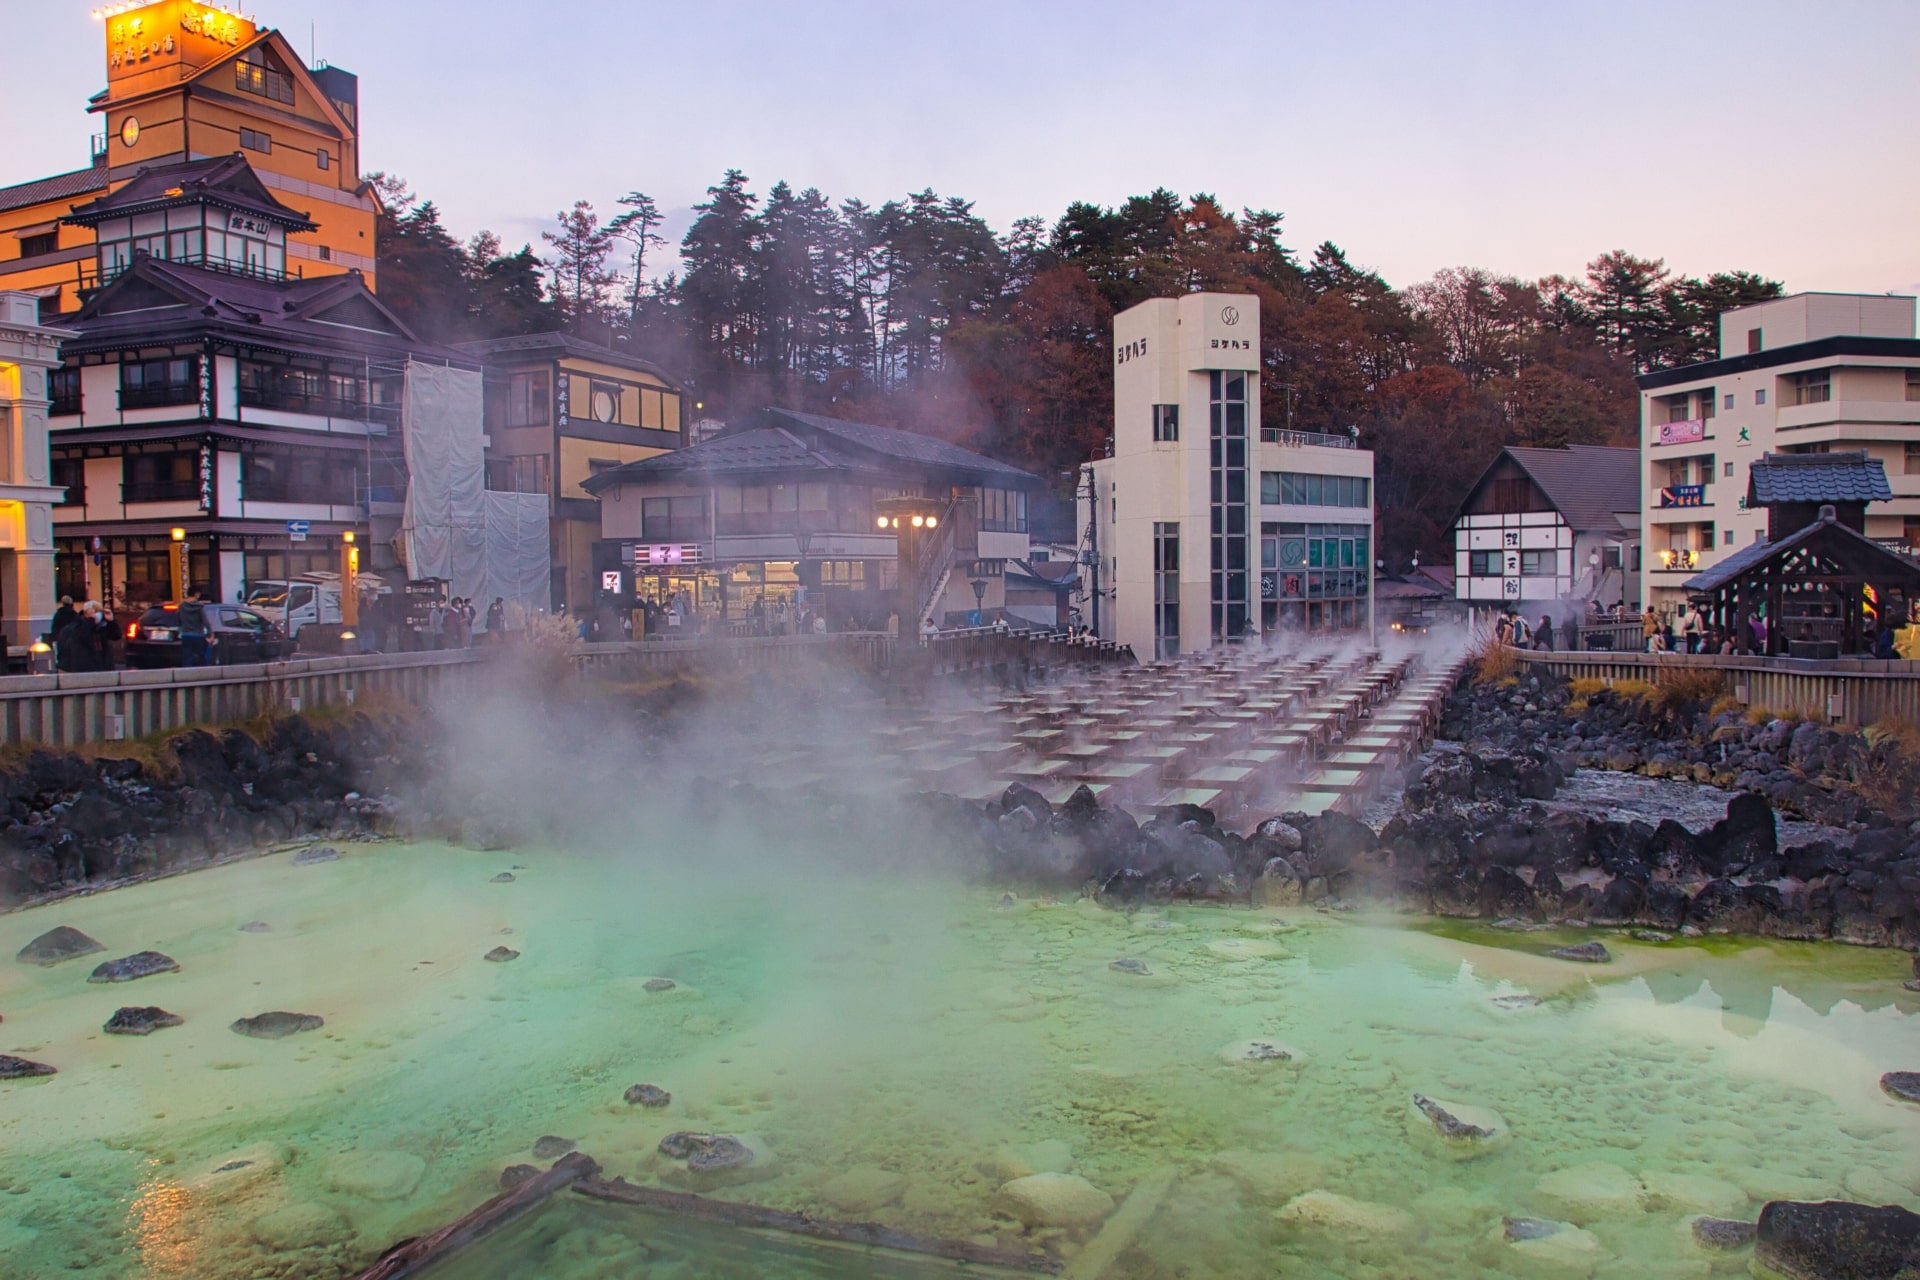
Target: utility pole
[{"x": 1091, "y": 560}]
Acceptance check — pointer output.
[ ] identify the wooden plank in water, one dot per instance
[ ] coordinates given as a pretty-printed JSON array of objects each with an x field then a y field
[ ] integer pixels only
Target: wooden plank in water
[
  {"x": 411, "y": 1257},
  {"x": 685, "y": 1204}
]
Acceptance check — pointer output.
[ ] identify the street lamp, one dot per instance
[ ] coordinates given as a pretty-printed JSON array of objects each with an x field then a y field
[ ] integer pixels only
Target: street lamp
[
  {"x": 979, "y": 586},
  {"x": 177, "y": 561},
  {"x": 910, "y": 519}
]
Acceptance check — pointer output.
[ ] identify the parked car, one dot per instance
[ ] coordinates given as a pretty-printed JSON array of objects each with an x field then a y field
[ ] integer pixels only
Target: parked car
[{"x": 235, "y": 634}]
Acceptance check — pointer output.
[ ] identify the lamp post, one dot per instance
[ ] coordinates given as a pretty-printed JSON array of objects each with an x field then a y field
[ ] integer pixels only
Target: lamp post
[
  {"x": 177, "y": 561},
  {"x": 979, "y": 598},
  {"x": 349, "y": 582}
]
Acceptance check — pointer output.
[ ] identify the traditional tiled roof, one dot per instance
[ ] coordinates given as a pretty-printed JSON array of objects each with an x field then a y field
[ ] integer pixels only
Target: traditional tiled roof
[
  {"x": 558, "y": 344},
  {"x": 226, "y": 181},
  {"x": 1586, "y": 483},
  {"x": 908, "y": 446},
  {"x": 1848, "y": 476},
  {"x": 62, "y": 186}
]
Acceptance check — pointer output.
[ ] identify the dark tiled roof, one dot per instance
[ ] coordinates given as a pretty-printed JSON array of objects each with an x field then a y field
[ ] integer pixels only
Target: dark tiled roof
[
  {"x": 62, "y": 186},
  {"x": 1586, "y": 483},
  {"x": 1892, "y": 569},
  {"x": 1850, "y": 476},
  {"x": 227, "y": 181},
  {"x": 565, "y": 344},
  {"x": 907, "y": 446}
]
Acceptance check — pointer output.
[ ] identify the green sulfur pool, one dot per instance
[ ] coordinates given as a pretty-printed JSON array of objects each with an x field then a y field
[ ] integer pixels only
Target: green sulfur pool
[{"x": 902, "y": 1046}]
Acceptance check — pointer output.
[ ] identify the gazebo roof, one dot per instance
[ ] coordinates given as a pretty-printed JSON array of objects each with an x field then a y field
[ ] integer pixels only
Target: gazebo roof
[
  {"x": 1854, "y": 553},
  {"x": 1848, "y": 476}
]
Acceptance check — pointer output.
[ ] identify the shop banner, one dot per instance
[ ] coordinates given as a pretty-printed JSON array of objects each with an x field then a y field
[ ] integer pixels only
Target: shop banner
[{"x": 1692, "y": 431}]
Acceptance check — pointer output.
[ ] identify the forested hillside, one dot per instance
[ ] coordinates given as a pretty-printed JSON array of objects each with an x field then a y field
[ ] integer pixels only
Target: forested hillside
[{"x": 915, "y": 312}]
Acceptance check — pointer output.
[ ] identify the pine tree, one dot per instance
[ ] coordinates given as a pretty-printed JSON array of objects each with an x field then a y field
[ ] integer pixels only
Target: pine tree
[{"x": 580, "y": 273}]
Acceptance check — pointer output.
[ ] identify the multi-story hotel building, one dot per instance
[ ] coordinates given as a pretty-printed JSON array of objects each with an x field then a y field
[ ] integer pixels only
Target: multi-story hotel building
[
  {"x": 185, "y": 82},
  {"x": 1811, "y": 373},
  {"x": 1206, "y": 525}
]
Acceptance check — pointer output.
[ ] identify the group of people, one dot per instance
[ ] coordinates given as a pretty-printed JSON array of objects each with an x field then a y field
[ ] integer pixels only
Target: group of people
[
  {"x": 450, "y": 625},
  {"x": 82, "y": 636},
  {"x": 1512, "y": 629}
]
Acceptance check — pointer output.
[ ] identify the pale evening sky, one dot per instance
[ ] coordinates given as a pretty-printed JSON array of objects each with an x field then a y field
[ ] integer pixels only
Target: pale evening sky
[{"x": 1524, "y": 137}]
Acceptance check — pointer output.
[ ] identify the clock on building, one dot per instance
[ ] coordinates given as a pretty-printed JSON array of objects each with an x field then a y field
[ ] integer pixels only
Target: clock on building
[{"x": 130, "y": 130}]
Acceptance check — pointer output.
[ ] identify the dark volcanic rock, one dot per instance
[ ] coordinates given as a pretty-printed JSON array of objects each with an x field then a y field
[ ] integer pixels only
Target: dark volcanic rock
[
  {"x": 140, "y": 1020},
  {"x": 256, "y": 926},
  {"x": 141, "y": 964},
  {"x": 515, "y": 1174},
  {"x": 1333, "y": 840},
  {"x": 551, "y": 1147},
  {"x": 1530, "y": 1228},
  {"x": 1837, "y": 1240},
  {"x": 720, "y": 1152},
  {"x": 500, "y": 955},
  {"x": 1904, "y": 1085},
  {"x": 1723, "y": 1233},
  {"x": 505, "y": 877},
  {"x": 55, "y": 945},
  {"x": 1127, "y": 964},
  {"x": 1585, "y": 953},
  {"x": 12, "y": 1068},
  {"x": 317, "y": 854},
  {"x": 278, "y": 1024},
  {"x": 647, "y": 1095}
]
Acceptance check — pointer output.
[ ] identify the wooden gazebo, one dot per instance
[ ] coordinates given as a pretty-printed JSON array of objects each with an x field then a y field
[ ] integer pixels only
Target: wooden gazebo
[{"x": 1823, "y": 588}]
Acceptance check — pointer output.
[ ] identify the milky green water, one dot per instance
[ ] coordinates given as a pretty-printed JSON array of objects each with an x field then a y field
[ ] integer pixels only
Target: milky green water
[{"x": 919, "y": 1027}]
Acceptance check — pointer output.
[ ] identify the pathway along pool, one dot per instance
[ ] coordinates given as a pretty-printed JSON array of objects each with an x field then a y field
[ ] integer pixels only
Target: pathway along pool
[{"x": 903, "y": 1047}]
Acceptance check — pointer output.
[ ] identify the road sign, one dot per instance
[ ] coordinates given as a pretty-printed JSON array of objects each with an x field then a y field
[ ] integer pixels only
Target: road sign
[{"x": 297, "y": 530}]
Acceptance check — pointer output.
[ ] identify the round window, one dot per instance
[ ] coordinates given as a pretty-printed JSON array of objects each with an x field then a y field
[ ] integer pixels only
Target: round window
[
  {"x": 130, "y": 131},
  {"x": 606, "y": 405}
]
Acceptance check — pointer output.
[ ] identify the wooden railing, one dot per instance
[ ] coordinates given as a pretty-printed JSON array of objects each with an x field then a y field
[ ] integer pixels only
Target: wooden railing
[{"x": 1858, "y": 691}]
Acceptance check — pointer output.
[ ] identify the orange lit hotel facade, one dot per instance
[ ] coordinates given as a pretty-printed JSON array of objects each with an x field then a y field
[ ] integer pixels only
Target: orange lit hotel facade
[{"x": 189, "y": 81}]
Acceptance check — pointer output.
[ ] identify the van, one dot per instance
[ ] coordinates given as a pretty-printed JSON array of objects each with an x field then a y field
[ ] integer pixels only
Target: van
[{"x": 310, "y": 597}]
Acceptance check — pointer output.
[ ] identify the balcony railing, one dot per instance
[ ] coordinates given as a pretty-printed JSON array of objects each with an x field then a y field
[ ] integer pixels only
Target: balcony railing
[
  {"x": 169, "y": 393},
  {"x": 1297, "y": 439},
  {"x": 160, "y": 491},
  {"x": 320, "y": 405},
  {"x": 63, "y": 406},
  {"x": 93, "y": 276}
]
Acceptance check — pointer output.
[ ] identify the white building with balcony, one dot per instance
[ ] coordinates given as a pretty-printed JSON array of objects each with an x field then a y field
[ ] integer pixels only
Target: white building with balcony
[
  {"x": 1207, "y": 524},
  {"x": 1811, "y": 373}
]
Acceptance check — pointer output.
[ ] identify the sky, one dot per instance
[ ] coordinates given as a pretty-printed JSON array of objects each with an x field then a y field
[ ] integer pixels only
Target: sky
[{"x": 1524, "y": 137}]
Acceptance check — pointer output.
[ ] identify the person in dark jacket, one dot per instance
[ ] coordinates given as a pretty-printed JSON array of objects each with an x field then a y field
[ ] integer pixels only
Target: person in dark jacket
[
  {"x": 1543, "y": 634},
  {"x": 63, "y": 617},
  {"x": 88, "y": 640}
]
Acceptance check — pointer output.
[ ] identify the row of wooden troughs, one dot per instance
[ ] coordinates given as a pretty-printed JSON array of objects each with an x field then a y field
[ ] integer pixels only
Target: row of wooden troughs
[{"x": 1232, "y": 730}]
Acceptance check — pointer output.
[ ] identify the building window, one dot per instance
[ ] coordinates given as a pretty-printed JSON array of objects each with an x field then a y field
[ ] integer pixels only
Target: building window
[
  {"x": 63, "y": 385},
  {"x": 70, "y": 474},
  {"x": 1760, "y": 396},
  {"x": 160, "y": 477},
  {"x": 145, "y": 384},
  {"x": 1483, "y": 564},
  {"x": 1729, "y": 472},
  {"x": 272, "y": 475},
  {"x": 1166, "y": 590},
  {"x": 1001, "y": 510},
  {"x": 1729, "y": 539},
  {"x": 325, "y": 253},
  {"x": 1295, "y": 488},
  {"x": 1536, "y": 564},
  {"x": 255, "y": 140},
  {"x": 304, "y": 389},
  {"x": 1728, "y": 403},
  {"x": 1913, "y": 384},
  {"x": 1677, "y": 408},
  {"x": 527, "y": 399},
  {"x": 1166, "y": 422},
  {"x": 1703, "y": 404},
  {"x": 256, "y": 75},
  {"x": 1753, "y": 341},
  {"x": 673, "y": 519},
  {"x": 525, "y": 473},
  {"x": 603, "y": 401},
  {"x": 36, "y": 246},
  {"x": 322, "y": 159},
  {"x": 1227, "y": 431},
  {"x": 1913, "y": 458},
  {"x": 1813, "y": 388}
]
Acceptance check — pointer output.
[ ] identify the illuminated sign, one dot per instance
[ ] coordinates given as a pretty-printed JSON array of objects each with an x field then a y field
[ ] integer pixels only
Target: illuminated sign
[
  {"x": 1692, "y": 431},
  {"x": 1684, "y": 495},
  {"x": 140, "y": 34},
  {"x": 646, "y": 554}
]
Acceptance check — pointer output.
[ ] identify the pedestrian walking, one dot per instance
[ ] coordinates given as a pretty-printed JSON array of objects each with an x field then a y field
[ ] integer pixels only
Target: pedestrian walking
[
  {"x": 496, "y": 620},
  {"x": 1543, "y": 634},
  {"x": 63, "y": 617},
  {"x": 1649, "y": 628}
]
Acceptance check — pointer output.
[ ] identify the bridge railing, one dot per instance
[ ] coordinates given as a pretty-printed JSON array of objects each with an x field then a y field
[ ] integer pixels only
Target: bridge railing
[{"x": 1859, "y": 691}]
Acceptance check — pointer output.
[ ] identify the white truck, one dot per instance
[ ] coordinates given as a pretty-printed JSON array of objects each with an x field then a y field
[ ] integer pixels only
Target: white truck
[{"x": 310, "y": 597}]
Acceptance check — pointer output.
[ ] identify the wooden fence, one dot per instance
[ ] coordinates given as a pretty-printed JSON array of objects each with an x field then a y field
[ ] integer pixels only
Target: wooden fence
[{"x": 1857, "y": 691}]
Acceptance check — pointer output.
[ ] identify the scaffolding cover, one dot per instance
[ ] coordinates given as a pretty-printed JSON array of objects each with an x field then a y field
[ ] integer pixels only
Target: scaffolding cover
[{"x": 484, "y": 544}]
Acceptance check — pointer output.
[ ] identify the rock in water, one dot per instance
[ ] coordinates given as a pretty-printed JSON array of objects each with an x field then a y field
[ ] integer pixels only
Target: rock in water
[
  {"x": 1256, "y": 1053},
  {"x": 654, "y": 986},
  {"x": 278, "y": 1024},
  {"x": 1127, "y": 964},
  {"x": 137, "y": 1020},
  {"x": 317, "y": 854},
  {"x": 714, "y": 1160},
  {"x": 505, "y": 877},
  {"x": 1548, "y": 1248},
  {"x": 1346, "y": 1218},
  {"x": 647, "y": 1095},
  {"x": 1722, "y": 1233},
  {"x": 515, "y": 1174},
  {"x": 551, "y": 1147},
  {"x": 1465, "y": 1132},
  {"x": 1904, "y": 1085},
  {"x": 1585, "y": 953},
  {"x": 1054, "y": 1200},
  {"x": 1837, "y": 1240},
  {"x": 12, "y": 1068},
  {"x": 59, "y": 944},
  {"x": 1530, "y": 1228},
  {"x": 256, "y": 926},
  {"x": 1518, "y": 1001},
  {"x": 141, "y": 964},
  {"x": 1588, "y": 1192},
  {"x": 500, "y": 955}
]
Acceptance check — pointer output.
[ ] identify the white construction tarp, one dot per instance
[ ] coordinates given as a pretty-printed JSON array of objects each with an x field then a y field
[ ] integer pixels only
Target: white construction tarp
[{"x": 485, "y": 544}]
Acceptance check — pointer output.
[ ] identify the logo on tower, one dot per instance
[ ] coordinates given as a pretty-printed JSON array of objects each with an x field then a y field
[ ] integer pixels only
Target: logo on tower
[{"x": 1229, "y": 315}]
